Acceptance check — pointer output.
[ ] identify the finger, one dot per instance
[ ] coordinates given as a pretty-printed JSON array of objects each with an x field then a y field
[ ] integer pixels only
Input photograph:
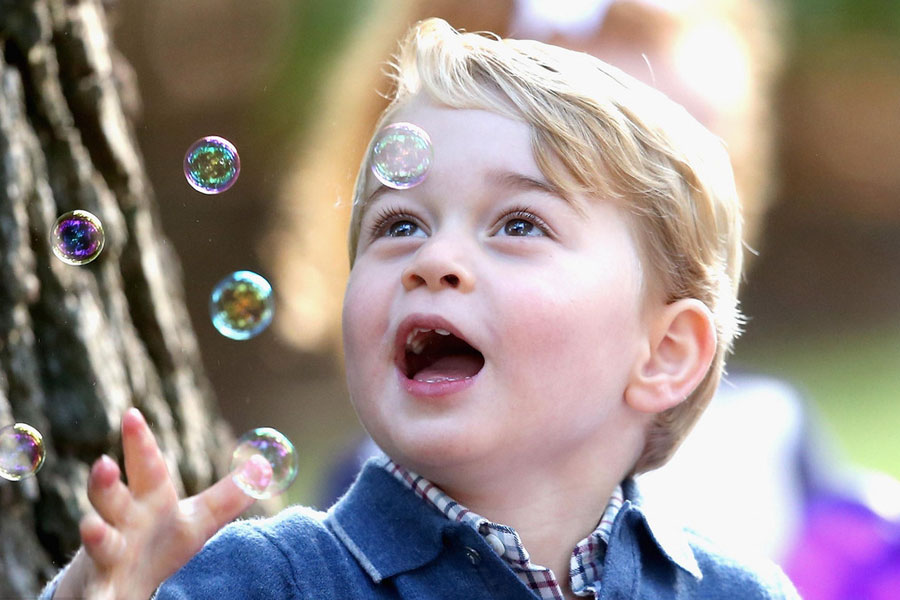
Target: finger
[
  {"x": 108, "y": 495},
  {"x": 219, "y": 504},
  {"x": 144, "y": 464},
  {"x": 103, "y": 543}
]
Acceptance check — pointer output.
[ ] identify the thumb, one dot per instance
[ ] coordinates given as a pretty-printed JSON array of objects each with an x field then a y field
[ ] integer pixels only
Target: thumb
[{"x": 213, "y": 508}]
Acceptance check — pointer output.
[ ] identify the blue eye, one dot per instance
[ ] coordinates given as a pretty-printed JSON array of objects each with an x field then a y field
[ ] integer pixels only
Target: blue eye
[
  {"x": 524, "y": 223},
  {"x": 392, "y": 222},
  {"x": 518, "y": 227},
  {"x": 401, "y": 229}
]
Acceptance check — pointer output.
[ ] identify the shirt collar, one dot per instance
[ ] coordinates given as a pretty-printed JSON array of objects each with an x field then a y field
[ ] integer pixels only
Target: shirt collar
[
  {"x": 387, "y": 529},
  {"x": 391, "y": 531},
  {"x": 669, "y": 538},
  {"x": 585, "y": 563}
]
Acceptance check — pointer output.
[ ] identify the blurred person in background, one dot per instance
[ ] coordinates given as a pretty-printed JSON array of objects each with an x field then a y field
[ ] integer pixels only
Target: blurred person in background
[{"x": 835, "y": 530}]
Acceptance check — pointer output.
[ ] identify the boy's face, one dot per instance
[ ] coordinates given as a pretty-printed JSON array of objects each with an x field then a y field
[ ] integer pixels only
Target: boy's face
[{"x": 541, "y": 297}]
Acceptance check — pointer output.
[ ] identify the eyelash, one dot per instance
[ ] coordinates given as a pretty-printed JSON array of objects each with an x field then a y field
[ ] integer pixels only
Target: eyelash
[
  {"x": 525, "y": 213},
  {"x": 389, "y": 214}
]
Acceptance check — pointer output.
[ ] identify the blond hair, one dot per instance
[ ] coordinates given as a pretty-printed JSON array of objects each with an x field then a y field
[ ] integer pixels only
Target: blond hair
[{"x": 599, "y": 132}]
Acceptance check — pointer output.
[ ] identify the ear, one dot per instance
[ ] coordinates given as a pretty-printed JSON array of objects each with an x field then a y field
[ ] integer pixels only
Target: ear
[{"x": 681, "y": 347}]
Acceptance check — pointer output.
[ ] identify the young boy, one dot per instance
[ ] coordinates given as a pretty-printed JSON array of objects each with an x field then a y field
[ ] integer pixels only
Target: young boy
[{"x": 543, "y": 316}]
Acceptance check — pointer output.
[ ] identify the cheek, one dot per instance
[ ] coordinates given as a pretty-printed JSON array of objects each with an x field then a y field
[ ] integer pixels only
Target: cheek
[
  {"x": 571, "y": 335},
  {"x": 364, "y": 323}
]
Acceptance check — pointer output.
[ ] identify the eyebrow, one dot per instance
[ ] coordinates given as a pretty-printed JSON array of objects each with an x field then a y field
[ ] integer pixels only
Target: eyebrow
[
  {"x": 504, "y": 179},
  {"x": 518, "y": 181}
]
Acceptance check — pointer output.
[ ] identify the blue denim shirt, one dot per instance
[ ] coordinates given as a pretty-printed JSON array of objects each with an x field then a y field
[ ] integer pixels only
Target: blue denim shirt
[{"x": 380, "y": 541}]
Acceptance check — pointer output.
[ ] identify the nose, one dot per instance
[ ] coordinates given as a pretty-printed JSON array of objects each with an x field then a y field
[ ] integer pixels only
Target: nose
[{"x": 437, "y": 265}]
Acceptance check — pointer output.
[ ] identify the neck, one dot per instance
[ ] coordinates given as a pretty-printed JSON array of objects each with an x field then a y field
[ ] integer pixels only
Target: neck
[{"x": 552, "y": 509}]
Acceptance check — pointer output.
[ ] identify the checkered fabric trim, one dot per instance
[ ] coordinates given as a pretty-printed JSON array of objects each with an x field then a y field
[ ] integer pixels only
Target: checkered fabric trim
[{"x": 585, "y": 566}]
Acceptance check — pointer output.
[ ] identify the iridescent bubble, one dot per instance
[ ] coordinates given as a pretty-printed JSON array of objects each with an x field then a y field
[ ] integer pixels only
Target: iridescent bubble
[
  {"x": 21, "y": 451},
  {"x": 77, "y": 237},
  {"x": 401, "y": 155},
  {"x": 212, "y": 165},
  {"x": 256, "y": 448},
  {"x": 241, "y": 305}
]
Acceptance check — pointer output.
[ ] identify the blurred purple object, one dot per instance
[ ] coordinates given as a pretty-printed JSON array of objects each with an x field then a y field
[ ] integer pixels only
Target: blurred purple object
[{"x": 845, "y": 550}]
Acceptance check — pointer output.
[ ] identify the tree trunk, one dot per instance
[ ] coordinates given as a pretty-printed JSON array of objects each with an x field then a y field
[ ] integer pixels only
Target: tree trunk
[{"x": 80, "y": 344}]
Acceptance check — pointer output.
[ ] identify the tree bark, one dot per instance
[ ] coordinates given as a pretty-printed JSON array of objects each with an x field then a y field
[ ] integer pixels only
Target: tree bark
[{"x": 80, "y": 344}]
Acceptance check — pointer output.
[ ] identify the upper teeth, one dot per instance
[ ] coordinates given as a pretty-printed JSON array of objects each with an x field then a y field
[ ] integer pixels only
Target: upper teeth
[{"x": 416, "y": 343}]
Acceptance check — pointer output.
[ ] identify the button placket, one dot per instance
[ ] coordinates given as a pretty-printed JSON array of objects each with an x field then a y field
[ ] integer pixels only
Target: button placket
[
  {"x": 492, "y": 539},
  {"x": 495, "y": 543}
]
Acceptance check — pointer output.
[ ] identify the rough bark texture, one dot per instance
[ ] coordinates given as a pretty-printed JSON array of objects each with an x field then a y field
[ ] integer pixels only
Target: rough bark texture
[{"x": 78, "y": 345}]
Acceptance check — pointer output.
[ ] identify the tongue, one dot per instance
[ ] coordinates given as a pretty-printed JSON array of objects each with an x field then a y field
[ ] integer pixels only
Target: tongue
[{"x": 450, "y": 368}]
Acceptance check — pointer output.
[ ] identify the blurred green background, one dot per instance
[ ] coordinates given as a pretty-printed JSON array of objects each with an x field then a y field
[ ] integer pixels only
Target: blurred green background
[
  {"x": 824, "y": 300},
  {"x": 851, "y": 377},
  {"x": 822, "y": 297}
]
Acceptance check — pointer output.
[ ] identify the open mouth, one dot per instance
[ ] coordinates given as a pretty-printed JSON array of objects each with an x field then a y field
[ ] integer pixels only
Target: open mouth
[{"x": 437, "y": 355}]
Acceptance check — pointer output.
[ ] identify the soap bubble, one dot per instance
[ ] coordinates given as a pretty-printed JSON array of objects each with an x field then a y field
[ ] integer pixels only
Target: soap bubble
[
  {"x": 212, "y": 165},
  {"x": 256, "y": 448},
  {"x": 401, "y": 155},
  {"x": 21, "y": 451},
  {"x": 241, "y": 305},
  {"x": 77, "y": 237}
]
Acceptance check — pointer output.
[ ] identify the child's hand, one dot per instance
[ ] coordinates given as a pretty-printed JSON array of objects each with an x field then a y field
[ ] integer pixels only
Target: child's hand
[{"x": 141, "y": 533}]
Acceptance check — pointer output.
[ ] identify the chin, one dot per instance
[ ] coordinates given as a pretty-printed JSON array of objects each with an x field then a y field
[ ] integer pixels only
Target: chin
[{"x": 427, "y": 452}]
